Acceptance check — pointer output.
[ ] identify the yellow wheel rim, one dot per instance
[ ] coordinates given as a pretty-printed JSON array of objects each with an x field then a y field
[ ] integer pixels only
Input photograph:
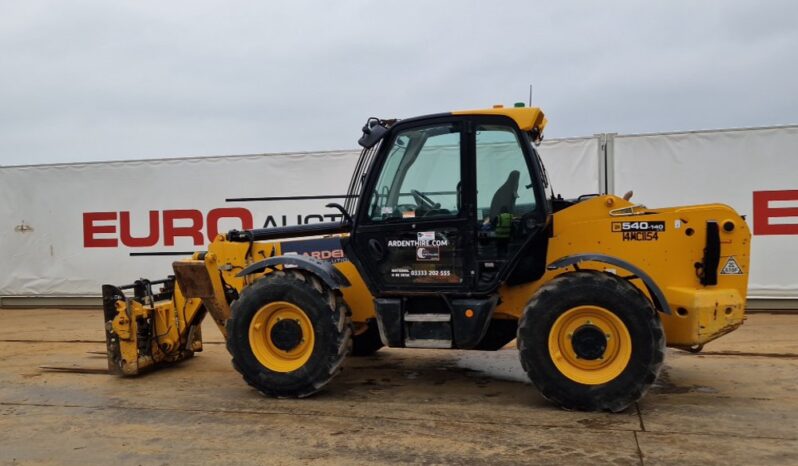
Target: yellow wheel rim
[
  {"x": 590, "y": 345},
  {"x": 281, "y": 336}
]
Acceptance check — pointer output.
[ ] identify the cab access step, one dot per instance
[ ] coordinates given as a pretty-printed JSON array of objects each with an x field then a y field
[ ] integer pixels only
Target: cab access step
[{"x": 433, "y": 321}]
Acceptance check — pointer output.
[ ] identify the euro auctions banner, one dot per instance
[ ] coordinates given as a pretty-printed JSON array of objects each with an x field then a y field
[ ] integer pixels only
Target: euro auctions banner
[
  {"x": 67, "y": 229},
  {"x": 753, "y": 170}
]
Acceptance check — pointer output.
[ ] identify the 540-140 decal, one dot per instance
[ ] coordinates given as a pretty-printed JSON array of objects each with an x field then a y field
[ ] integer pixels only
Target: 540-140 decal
[{"x": 639, "y": 230}]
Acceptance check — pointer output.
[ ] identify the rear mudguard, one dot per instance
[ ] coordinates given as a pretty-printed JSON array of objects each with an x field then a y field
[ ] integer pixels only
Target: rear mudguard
[{"x": 660, "y": 303}]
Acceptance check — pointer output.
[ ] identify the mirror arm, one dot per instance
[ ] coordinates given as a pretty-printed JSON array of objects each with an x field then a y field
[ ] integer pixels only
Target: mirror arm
[{"x": 344, "y": 213}]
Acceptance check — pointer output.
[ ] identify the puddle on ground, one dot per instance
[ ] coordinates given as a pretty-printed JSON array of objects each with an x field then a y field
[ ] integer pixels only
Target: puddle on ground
[
  {"x": 498, "y": 365},
  {"x": 664, "y": 385}
]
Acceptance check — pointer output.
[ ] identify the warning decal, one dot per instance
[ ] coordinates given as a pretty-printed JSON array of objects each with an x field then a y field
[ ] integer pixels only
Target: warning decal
[{"x": 731, "y": 267}]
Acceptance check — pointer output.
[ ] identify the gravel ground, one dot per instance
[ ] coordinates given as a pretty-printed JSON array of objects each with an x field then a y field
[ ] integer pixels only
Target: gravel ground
[{"x": 735, "y": 403}]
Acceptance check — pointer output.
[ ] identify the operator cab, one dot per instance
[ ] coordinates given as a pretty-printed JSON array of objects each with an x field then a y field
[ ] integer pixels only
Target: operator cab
[
  {"x": 450, "y": 201},
  {"x": 447, "y": 208}
]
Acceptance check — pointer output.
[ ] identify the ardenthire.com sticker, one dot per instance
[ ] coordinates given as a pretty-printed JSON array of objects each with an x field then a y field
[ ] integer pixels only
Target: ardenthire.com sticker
[
  {"x": 427, "y": 248},
  {"x": 428, "y": 253}
]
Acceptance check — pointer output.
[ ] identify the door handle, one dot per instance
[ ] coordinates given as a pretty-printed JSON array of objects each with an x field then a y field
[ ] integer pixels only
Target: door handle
[{"x": 376, "y": 249}]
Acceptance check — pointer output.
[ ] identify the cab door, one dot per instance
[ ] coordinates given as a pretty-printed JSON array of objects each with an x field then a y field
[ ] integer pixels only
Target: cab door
[
  {"x": 414, "y": 226},
  {"x": 510, "y": 205}
]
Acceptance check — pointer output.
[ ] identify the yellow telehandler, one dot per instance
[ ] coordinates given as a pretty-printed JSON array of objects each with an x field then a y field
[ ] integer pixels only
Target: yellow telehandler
[{"x": 451, "y": 238}]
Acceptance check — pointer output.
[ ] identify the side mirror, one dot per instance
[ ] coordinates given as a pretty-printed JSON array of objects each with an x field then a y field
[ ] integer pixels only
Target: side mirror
[{"x": 373, "y": 131}]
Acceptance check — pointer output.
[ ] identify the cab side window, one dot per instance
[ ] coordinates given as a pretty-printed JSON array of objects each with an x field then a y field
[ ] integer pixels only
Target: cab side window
[
  {"x": 421, "y": 175},
  {"x": 504, "y": 185}
]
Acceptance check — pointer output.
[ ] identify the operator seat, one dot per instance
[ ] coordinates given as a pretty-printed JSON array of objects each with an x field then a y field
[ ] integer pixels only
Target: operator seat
[{"x": 504, "y": 198}]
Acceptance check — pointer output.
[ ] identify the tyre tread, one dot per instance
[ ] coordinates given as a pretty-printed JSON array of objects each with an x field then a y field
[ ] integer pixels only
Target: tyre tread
[
  {"x": 549, "y": 388},
  {"x": 332, "y": 299}
]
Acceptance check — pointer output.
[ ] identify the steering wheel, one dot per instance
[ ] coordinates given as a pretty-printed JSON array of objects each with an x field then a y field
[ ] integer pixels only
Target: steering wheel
[{"x": 424, "y": 200}]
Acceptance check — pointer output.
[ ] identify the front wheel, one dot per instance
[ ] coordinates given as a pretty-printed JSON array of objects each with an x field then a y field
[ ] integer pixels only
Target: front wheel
[
  {"x": 591, "y": 341},
  {"x": 289, "y": 334}
]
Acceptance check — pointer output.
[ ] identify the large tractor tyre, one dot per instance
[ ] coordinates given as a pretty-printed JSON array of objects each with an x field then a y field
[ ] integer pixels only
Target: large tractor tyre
[
  {"x": 591, "y": 341},
  {"x": 368, "y": 341},
  {"x": 289, "y": 334}
]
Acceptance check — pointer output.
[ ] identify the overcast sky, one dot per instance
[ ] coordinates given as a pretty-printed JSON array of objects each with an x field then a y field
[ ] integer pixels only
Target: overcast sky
[{"x": 106, "y": 80}]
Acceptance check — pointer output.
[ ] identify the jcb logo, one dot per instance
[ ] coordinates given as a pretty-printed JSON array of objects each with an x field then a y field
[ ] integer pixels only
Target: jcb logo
[{"x": 618, "y": 227}]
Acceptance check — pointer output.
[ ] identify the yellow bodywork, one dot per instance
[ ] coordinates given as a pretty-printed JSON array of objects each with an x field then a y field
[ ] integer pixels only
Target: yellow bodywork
[
  {"x": 206, "y": 282},
  {"x": 699, "y": 313}
]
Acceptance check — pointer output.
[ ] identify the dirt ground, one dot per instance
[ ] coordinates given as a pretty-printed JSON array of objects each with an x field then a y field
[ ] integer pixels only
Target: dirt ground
[{"x": 733, "y": 404}]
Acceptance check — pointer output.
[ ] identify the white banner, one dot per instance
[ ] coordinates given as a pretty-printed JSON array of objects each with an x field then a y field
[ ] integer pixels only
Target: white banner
[
  {"x": 754, "y": 170},
  {"x": 67, "y": 229},
  {"x": 572, "y": 165}
]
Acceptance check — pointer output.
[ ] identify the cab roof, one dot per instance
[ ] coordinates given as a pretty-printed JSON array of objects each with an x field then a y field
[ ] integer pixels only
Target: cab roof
[
  {"x": 530, "y": 119},
  {"x": 527, "y": 118}
]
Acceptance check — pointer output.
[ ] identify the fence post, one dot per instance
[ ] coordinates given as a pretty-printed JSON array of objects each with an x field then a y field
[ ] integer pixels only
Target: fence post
[
  {"x": 609, "y": 162},
  {"x": 606, "y": 162}
]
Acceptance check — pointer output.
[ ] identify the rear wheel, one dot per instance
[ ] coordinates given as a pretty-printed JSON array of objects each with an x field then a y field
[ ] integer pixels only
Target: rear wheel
[
  {"x": 591, "y": 341},
  {"x": 289, "y": 334}
]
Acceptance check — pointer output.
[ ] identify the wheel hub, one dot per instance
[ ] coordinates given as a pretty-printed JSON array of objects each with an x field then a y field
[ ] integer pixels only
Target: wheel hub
[
  {"x": 589, "y": 342},
  {"x": 286, "y": 334},
  {"x": 281, "y": 336}
]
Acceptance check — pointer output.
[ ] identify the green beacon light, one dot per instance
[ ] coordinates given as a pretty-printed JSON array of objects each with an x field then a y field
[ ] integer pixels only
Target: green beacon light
[{"x": 518, "y": 105}]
